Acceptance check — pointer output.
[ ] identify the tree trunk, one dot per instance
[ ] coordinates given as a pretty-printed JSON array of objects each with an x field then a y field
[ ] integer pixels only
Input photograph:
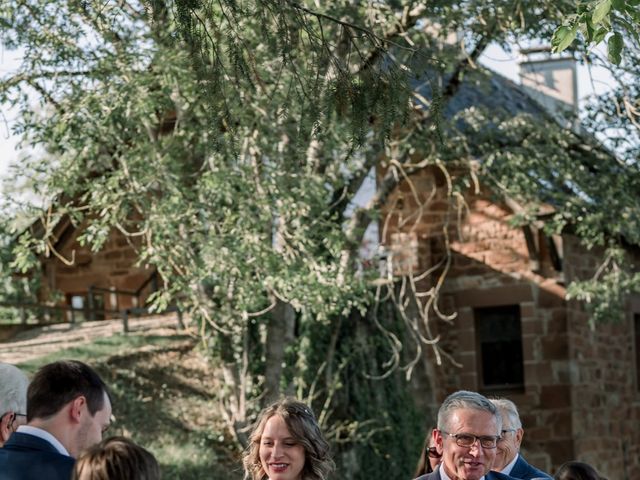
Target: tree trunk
[{"x": 279, "y": 335}]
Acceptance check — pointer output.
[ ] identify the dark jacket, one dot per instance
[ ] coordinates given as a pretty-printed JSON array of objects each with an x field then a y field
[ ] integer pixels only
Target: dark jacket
[
  {"x": 489, "y": 476},
  {"x": 524, "y": 471},
  {"x": 27, "y": 457}
]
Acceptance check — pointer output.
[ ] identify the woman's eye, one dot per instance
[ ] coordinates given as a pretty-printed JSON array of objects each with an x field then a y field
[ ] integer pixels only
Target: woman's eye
[{"x": 290, "y": 444}]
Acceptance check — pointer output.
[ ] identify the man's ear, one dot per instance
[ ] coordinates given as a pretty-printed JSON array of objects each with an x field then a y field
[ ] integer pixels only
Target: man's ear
[
  {"x": 519, "y": 433},
  {"x": 5, "y": 426},
  {"x": 77, "y": 407},
  {"x": 437, "y": 440}
]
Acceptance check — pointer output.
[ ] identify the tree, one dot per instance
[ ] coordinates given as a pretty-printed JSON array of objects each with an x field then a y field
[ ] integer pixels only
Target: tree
[
  {"x": 227, "y": 140},
  {"x": 599, "y": 21}
]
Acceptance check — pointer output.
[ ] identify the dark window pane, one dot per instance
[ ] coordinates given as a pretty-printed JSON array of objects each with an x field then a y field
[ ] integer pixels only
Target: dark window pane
[{"x": 499, "y": 334}]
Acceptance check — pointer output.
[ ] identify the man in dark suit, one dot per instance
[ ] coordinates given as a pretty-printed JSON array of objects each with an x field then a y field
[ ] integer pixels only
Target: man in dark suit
[
  {"x": 467, "y": 436},
  {"x": 508, "y": 458},
  {"x": 68, "y": 409}
]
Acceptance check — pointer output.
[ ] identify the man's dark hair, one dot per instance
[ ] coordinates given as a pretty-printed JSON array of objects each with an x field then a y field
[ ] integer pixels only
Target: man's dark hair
[{"x": 56, "y": 384}]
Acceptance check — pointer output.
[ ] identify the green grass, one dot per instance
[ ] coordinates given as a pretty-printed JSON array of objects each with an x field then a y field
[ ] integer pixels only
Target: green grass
[{"x": 103, "y": 348}]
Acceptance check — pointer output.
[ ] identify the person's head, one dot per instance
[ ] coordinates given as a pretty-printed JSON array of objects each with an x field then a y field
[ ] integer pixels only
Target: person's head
[
  {"x": 286, "y": 444},
  {"x": 577, "y": 471},
  {"x": 69, "y": 400},
  {"x": 116, "y": 458},
  {"x": 512, "y": 433},
  {"x": 13, "y": 400},
  {"x": 429, "y": 457},
  {"x": 467, "y": 435}
]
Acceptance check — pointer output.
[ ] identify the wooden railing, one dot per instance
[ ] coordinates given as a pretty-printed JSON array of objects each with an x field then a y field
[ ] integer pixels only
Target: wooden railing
[{"x": 66, "y": 313}]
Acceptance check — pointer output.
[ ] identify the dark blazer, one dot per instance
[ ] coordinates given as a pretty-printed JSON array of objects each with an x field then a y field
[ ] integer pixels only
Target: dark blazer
[
  {"x": 489, "y": 476},
  {"x": 27, "y": 457},
  {"x": 524, "y": 471}
]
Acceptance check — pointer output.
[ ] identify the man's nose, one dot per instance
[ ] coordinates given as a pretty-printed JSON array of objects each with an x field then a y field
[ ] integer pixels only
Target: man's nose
[{"x": 475, "y": 447}]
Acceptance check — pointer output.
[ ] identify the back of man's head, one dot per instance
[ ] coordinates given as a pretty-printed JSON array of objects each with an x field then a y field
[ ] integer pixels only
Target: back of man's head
[
  {"x": 56, "y": 384},
  {"x": 464, "y": 399},
  {"x": 13, "y": 389}
]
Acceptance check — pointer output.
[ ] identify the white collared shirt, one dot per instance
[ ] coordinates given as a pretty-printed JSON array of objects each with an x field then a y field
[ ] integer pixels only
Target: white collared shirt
[
  {"x": 444, "y": 476},
  {"x": 507, "y": 470},
  {"x": 44, "y": 435}
]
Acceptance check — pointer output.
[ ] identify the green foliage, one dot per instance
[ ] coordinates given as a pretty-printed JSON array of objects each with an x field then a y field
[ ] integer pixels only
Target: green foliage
[
  {"x": 597, "y": 21},
  {"x": 373, "y": 424},
  {"x": 605, "y": 295}
]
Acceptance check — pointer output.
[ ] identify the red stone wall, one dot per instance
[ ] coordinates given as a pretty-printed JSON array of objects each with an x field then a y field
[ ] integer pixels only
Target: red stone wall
[
  {"x": 580, "y": 399},
  {"x": 605, "y": 396}
]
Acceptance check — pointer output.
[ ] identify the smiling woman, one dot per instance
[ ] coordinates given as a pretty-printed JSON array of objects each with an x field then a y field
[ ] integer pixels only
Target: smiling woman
[{"x": 287, "y": 444}]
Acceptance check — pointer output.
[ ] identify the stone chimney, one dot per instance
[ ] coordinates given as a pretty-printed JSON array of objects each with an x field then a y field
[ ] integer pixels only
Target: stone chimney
[{"x": 552, "y": 81}]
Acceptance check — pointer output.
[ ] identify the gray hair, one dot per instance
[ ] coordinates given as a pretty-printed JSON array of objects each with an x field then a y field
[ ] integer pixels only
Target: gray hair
[
  {"x": 507, "y": 408},
  {"x": 467, "y": 400},
  {"x": 13, "y": 389}
]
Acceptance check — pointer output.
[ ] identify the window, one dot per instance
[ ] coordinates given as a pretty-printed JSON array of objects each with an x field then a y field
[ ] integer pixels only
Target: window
[
  {"x": 77, "y": 304},
  {"x": 81, "y": 309},
  {"x": 499, "y": 341}
]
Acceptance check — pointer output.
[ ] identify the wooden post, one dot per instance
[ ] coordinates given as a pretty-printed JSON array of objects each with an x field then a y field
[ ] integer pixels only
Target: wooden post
[{"x": 125, "y": 320}]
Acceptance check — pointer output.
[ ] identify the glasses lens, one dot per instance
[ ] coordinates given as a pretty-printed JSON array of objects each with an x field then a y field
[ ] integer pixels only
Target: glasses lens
[
  {"x": 488, "y": 442},
  {"x": 465, "y": 440}
]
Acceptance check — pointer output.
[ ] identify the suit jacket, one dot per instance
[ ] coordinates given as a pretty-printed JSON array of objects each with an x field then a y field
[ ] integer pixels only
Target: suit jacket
[
  {"x": 524, "y": 471},
  {"x": 27, "y": 457},
  {"x": 491, "y": 475}
]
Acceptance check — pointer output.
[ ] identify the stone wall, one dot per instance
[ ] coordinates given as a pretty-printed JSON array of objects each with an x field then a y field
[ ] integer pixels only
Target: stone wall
[
  {"x": 605, "y": 396},
  {"x": 580, "y": 398}
]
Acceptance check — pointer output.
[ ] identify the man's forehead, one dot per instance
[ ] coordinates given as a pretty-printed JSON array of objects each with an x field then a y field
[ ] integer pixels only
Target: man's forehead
[{"x": 464, "y": 416}]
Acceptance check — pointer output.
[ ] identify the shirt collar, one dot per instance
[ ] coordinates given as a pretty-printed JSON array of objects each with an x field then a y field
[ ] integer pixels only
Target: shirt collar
[
  {"x": 507, "y": 469},
  {"x": 444, "y": 476},
  {"x": 44, "y": 435}
]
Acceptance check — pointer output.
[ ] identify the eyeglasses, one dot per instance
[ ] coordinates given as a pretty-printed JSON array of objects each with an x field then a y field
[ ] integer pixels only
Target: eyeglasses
[
  {"x": 433, "y": 452},
  {"x": 467, "y": 440}
]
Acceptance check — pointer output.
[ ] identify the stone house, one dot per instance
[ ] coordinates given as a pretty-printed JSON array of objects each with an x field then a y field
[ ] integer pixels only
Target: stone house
[
  {"x": 515, "y": 334},
  {"x": 88, "y": 285}
]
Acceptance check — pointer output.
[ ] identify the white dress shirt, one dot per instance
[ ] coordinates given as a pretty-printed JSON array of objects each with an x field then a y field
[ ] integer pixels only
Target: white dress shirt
[{"x": 44, "y": 435}]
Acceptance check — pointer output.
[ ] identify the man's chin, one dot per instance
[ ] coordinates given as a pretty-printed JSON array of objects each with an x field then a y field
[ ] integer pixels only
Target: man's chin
[{"x": 474, "y": 471}]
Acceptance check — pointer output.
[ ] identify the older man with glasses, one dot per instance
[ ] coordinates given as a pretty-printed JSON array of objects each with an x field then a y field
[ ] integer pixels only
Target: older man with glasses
[
  {"x": 469, "y": 427},
  {"x": 13, "y": 400},
  {"x": 508, "y": 458}
]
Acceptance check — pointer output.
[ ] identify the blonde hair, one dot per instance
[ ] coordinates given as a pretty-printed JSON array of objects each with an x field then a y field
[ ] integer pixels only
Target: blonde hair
[
  {"x": 304, "y": 428},
  {"x": 116, "y": 458}
]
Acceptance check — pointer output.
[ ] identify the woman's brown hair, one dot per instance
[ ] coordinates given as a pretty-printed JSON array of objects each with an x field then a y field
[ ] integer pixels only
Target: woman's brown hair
[
  {"x": 304, "y": 428},
  {"x": 116, "y": 458}
]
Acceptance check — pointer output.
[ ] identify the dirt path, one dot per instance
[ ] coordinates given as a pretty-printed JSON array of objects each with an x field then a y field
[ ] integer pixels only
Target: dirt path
[{"x": 41, "y": 341}]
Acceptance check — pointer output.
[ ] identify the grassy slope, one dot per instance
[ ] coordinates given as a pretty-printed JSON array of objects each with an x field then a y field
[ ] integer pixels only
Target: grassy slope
[{"x": 162, "y": 395}]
